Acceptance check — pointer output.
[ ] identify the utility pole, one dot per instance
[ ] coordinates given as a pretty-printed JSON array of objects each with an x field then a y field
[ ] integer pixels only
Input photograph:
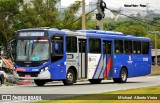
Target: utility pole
[
  {"x": 147, "y": 16},
  {"x": 101, "y": 6},
  {"x": 99, "y": 22},
  {"x": 83, "y": 15}
]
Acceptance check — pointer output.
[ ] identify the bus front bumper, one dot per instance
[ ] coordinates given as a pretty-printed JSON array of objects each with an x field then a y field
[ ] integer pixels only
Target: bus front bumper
[{"x": 45, "y": 75}]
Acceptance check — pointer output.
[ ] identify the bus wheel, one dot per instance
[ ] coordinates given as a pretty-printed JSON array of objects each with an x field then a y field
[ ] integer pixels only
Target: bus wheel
[
  {"x": 95, "y": 81},
  {"x": 70, "y": 77},
  {"x": 40, "y": 82},
  {"x": 123, "y": 76},
  {"x": 1, "y": 79}
]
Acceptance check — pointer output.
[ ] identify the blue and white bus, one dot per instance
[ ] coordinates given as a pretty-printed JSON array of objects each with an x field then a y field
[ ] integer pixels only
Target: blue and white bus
[{"x": 46, "y": 54}]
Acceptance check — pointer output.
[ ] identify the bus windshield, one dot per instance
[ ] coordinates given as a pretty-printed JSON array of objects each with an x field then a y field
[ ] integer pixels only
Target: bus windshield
[{"x": 32, "y": 50}]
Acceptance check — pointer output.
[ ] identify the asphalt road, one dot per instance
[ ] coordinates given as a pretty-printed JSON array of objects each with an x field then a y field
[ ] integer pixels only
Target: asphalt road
[{"x": 83, "y": 87}]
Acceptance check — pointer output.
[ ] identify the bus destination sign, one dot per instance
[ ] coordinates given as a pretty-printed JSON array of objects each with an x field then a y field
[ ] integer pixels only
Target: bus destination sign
[{"x": 31, "y": 34}]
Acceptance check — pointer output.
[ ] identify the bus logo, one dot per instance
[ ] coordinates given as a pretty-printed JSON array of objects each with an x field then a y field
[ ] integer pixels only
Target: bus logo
[
  {"x": 91, "y": 59},
  {"x": 130, "y": 60}
]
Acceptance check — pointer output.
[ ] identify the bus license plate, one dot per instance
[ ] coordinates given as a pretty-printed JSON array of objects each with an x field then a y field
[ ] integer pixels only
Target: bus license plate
[{"x": 28, "y": 75}]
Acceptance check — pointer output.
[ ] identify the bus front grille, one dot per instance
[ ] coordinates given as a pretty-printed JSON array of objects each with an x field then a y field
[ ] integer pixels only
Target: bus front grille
[{"x": 26, "y": 74}]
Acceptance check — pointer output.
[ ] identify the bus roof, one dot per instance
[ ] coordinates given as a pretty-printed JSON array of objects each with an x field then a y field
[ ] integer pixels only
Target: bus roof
[{"x": 88, "y": 33}]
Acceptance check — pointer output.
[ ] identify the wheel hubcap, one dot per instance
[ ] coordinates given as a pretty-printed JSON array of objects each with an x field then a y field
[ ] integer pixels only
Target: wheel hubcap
[
  {"x": 123, "y": 75},
  {"x": 70, "y": 77}
]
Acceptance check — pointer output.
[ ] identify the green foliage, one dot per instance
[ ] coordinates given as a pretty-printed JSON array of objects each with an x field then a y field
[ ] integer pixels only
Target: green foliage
[
  {"x": 70, "y": 17},
  {"x": 8, "y": 8},
  {"x": 15, "y": 15},
  {"x": 152, "y": 37},
  {"x": 37, "y": 14},
  {"x": 136, "y": 30}
]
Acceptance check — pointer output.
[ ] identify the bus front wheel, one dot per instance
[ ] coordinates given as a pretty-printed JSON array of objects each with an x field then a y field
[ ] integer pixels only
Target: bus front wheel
[
  {"x": 95, "y": 81},
  {"x": 70, "y": 77},
  {"x": 123, "y": 76},
  {"x": 40, "y": 82}
]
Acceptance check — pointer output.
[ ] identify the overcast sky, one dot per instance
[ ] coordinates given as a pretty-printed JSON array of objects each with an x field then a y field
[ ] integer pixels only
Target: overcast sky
[{"x": 153, "y": 4}]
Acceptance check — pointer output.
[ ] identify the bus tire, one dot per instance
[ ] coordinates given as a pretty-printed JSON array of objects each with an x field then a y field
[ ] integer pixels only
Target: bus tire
[
  {"x": 123, "y": 76},
  {"x": 39, "y": 82},
  {"x": 1, "y": 79},
  {"x": 70, "y": 77},
  {"x": 95, "y": 81}
]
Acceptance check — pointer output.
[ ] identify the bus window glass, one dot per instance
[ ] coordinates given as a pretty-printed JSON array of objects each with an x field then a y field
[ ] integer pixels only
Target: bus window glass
[
  {"x": 32, "y": 50},
  {"x": 136, "y": 47},
  {"x": 95, "y": 45},
  {"x": 118, "y": 45},
  {"x": 57, "y": 45},
  {"x": 145, "y": 47},
  {"x": 71, "y": 44},
  {"x": 127, "y": 47}
]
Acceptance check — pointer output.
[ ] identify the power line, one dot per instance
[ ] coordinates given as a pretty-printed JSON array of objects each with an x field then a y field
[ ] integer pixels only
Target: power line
[
  {"x": 134, "y": 18},
  {"x": 79, "y": 18}
]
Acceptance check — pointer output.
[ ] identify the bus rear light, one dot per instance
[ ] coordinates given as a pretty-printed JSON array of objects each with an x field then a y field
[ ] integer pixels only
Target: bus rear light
[{"x": 20, "y": 69}]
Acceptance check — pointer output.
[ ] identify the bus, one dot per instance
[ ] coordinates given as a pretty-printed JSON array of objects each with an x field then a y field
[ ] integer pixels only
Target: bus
[{"x": 46, "y": 54}]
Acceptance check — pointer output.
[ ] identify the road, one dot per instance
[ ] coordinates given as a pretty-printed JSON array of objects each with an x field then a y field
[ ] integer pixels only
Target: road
[{"x": 83, "y": 87}]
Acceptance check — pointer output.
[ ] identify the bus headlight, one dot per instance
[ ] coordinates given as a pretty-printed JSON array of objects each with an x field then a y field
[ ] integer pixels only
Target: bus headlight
[{"x": 44, "y": 69}]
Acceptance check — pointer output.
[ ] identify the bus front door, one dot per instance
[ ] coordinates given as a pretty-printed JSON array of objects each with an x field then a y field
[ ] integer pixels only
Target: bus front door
[
  {"x": 108, "y": 61},
  {"x": 82, "y": 70}
]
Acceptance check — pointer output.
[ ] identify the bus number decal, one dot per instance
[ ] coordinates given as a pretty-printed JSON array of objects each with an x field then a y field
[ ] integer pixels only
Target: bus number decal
[{"x": 145, "y": 59}]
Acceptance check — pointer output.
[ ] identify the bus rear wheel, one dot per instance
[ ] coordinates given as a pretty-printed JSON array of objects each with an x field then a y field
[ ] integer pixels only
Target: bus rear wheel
[
  {"x": 70, "y": 77},
  {"x": 95, "y": 81},
  {"x": 123, "y": 76},
  {"x": 40, "y": 82}
]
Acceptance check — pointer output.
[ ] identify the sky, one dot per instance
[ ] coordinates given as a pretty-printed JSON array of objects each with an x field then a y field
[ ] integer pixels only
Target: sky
[{"x": 153, "y": 4}]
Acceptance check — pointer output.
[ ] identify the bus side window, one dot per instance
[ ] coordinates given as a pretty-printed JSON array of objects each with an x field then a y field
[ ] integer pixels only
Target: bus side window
[
  {"x": 57, "y": 48},
  {"x": 145, "y": 47},
  {"x": 136, "y": 47},
  {"x": 118, "y": 46},
  {"x": 71, "y": 44},
  {"x": 128, "y": 47},
  {"x": 95, "y": 45}
]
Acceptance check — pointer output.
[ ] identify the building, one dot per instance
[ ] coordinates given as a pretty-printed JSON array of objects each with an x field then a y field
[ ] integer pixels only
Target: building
[{"x": 154, "y": 55}]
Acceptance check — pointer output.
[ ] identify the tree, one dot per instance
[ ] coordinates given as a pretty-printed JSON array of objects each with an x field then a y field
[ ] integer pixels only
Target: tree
[
  {"x": 8, "y": 8},
  {"x": 70, "y": 17},
  {"x": 133, "y": 30},
  {"x": 38, "y": 13},
  {"x": 43, "y": 13}
]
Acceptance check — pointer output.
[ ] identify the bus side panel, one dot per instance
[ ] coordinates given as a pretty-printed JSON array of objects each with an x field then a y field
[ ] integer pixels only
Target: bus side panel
[
  {"x": 58, "y": 70},
  {"x": 137, "y": 65},
  {"x": 107, "y": 66},
  {"x": 95, "y": 65},
  {"x": 72, "y": 61},
  {"x": 142, "y": 65},
  {"x": 118, "y": 63},
  {"x": 129, "y": 63}
]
